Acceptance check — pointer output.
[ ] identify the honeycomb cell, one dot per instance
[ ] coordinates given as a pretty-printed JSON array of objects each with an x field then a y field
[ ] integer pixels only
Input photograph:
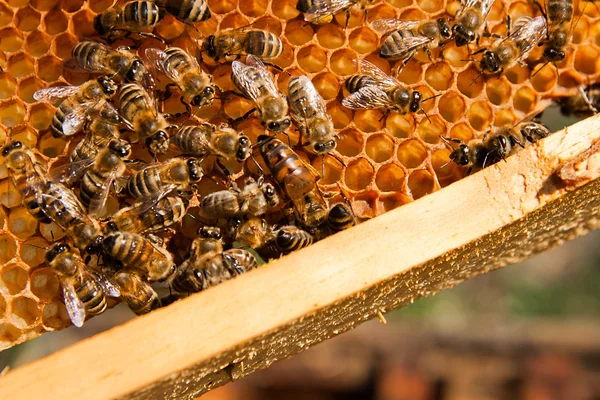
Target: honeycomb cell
[
  {"x": 51, "y": 232},
  {"x": 520, "y": 9},
  {"x": 8, "y": 85},
  {"x": 222, "y": 6},
  {"x": 17, "y": 3},
  {"x": 420, "y": 183},
  {"x": 498, "y": 90},
  {"x": 83, "y": 24},
  {"x": 341, "y": 62},
  {"x": 9, "y": 334},
  {"x": 586, "y": 60},
  {"x": 284, "y": 9},
  {"x": 170, "y": 28},
  {"x": 10, "y": 40},
  {"x": 445, "y": 172},
  {"x": 468, "y": 82},
  {"x": 9, "y": 197},
  {"x": 8, "y": 248},
  {"x": 253, "y": 8},
  {"x": 358, "y": 174},
  {"x": 429, "y": 99},
  {"x": 439, "y": 76},
  {"x": 517, "y": 74},
  {"x": 330, "y": 36},
  {"x": 98, "y": 6},
  {"x": 238, "y": 107},
  {"x": 55, "y": 22},
  {"x": 234, "y": 20},
  {"x": 332, "y": 169},
  {"x": 40, "y": 115},
  {"x": 27, "y": 87},
  {"x": 505, "y": 118},
  {"x": 37, "y": 43},
  {"x": 581, "y": 31},
  {"x": 27, "y": 19},
  {"x": 379, "y": 148},
  {"x": 2, "y": 217},
  {"x": 63, "y": 44},
  {"x": 456, "y": 56},
  {"x": 390, "y": 202},
  {"x": 6, "y": 15},
  {"x": 350, "y": 142},
  {"x": 411, "y": 153},
  {"x": 411, "y": 73},
  {"x": 20, "y": 64},
  {"x": 49, "y": 68},
  {"x": 298, "y": 32},
  {"x": 50, "y": 146},
  {"x": 451, "y": 106},
  {"x": 390, "y": 178},
  {"x": 24, "y": 312},
  {"x": 21, "y": 223},
  {"x": 12, "y": 113},
  {"x": 33, "y": 250},
  {"x": 431, "y": 129},
  {"x": 54, "y": 316},
  {"x": 26, "y": 135},
  {"x": 327, "y": 84},
  {"x": 44, "y": 284},
  {"x": 400, "y": 126},
  {"x": 342, "y": 117},
  {"x": 431, "y": 6},
  {"x": 44, "y": 5},
  {"x": 525, "y": 99},
  {"x": 363, "y": 40},
  {"x": 312, "y": 59},
  {"x": 357, "y": 16},
  {"x": 369, "y": 120},
  {"x": 543, "y": 79},
  {"x": 400, "y": 4},
  {"x": 480, "y": 116},
  {"x": 462, "y": 132},
  {"x": 71, "y": 6},
  {"x": 14, "y": 278}
]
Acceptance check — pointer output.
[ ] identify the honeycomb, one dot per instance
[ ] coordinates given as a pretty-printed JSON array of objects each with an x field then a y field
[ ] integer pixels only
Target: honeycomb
[{"x": 388, "y": 160}]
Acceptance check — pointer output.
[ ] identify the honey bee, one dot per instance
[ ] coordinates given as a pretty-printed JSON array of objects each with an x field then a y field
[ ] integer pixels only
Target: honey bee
[
  {"x": 123, "y": 20},
  {"x": 375, "y": 89},
  {"x": 470, "y": 21},
  {"x": 408, "y": 37},
  {"x": 505, "y": 53},
  {"x": 196, "y": 86},
  {"x": 558, "y": 15},
  {"x": 138, "y": 110},
  {"x": 98, "y": 135},
  {"x": 255, "y": 82},
  {"x": 297, "y": 179},
  {"x": 157, "y": 180},
  {"x": 496, "y": 146},
  {"x": 84, "y": 289},
  {"x": 254, "y": 199},
  {"x": 89, "y": 99},
  {"x": 27, "y": 175},
  {"x": 309, "y": 110},
  {"x": 139, "y": 296},
  {"x": 322, "y": 11},
  {"x": 340, "y": 217},
  {"x": 208, "y": 265},
  {"x": 135, "y": 251},
  {"x": 250, "y": 231},
  {"x": 291, "y": 238},
  {"x": 230, "y": 44},
  {"x": 187, "y": 11},
  {"x": 207, "y": 139}
]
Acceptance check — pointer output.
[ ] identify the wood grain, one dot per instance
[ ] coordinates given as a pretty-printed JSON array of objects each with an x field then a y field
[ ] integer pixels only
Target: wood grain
[{"x": 491, "y": 219}]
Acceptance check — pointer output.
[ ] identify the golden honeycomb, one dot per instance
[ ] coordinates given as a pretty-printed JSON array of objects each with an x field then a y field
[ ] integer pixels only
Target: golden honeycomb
[{"x": 387, "y": 160}]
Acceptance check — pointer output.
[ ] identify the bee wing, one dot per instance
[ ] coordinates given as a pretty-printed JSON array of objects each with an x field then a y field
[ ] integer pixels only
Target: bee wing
[
  {"x": 264, "y": 73},
  {"x": 484, "y": 5},
  {"x": 157, "y": 59},
  {"x": 384, "y": 25},
  {"x": 71, "y": 172},
  {"x": 109, "y": 288},
  {"x": 321, "y": 8},
  {"x": 383, "y": 79},
  {"x": 99, "y": 200},
  {"x": 306, "y": 106},
  {"x": 75, "y": 307},
  {"x": 410, "y": 45},
  {"x": 247, "y": 83},
  {"x": 54, "y": 94},
  {"x": 297, "y": 186},
  {"x": 140, "y": 208},
  {"x": 369, "y": 97},
  {"x": 75, "y": 119},
  {"x": 529, "y": 34}
]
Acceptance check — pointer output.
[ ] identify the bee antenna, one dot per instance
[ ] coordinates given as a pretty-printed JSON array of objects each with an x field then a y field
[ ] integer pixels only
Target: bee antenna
[
  {"x": 431, "y": 97},
  {"x": 36, "y": 246},
  {"x": 536, "y": 72},
  {"x": 426, "y": 115},
  {"x": 262, "y": 172},
  {"x": 445, "y": 164},
  {"x": 477, "y": 77},
  {"x": 447, "y": 142},
  {"x": 573, "y": 26}
]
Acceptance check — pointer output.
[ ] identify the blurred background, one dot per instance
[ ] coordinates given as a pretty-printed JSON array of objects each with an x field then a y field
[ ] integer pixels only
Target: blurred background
[{"x": 530, "y": 331}]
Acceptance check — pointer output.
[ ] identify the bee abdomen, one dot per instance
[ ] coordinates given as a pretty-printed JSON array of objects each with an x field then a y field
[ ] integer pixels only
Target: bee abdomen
[
  {"x": 357, "y": 82},
  {"x": 91, "y": 183},
  {"x": 393, "y": 46},
  {"x": 191, "y": 140},
  {"x": 291, "y": 238},
  {"x": 560, "y": 11},
  {"x": 191, "y": 280},
  {"x": 131, "y": 100},
  {"x": 141, "y": 13},
  {"x": 89, "y": 54},
  {"x": 92, "y": 297},
  {"x": 130, "y": 249},
  {"x": 264, "y": 44},
  {"x": 340, "y": 217},
  {"x": 144, "y": 183},
  {"x": 239, "y": 261},
  {"x": 189, "y": 10},
  {"x": 222, "y": 204}
]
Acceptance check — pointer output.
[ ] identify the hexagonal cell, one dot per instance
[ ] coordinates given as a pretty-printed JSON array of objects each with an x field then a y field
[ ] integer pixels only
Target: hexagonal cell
[
  {"x": 40, "y": 115},
  {"x": 27, "y": 87},
  {"x": 71, "y": 5},
  {"x": 234, "y": 20},
  {"x": 429, "y": 99},
  {"x": 9, "y": 334},
  {"x": 6, "y": 15},
  {"x": 170, "y": 28},
  {"x": 390, "y": 202},
  {"x": 17, "y": 3},
  {"x": 51, "y": 146},
  {"x": 14, "y": 278},
  {"x": 12, "y": 113},
  {"x": 341, "y": 62},
  {"x": 26, "y": 135},
  {"x": 451, "y": 106},
  {"x": 237, "y": 107},
  {"x": 82, "y": 24},
  {"x": 8, "y": 86},
  {"x": 498, "y": 90},
  {"x": 9, "y": 197},
  {"x": 10, "y": 40},
  {"x": 431, "y": 129},
  {"x": 411, "y": 73},
  {"x": 525, "y": 99},
  {"x": 379, "y": 148},
  {"x": 505, "y": 118},
  {"x": 330, "y": 36},
  {"x": 587, "y": 59},
  {"x": 369, "y": 120},
  {"x": 358, "y": 174},
  {"x": 332, "y": 169},
  {"x": 20, "y": 64},
  {"x": 431, "y": 6},
  {"x": 400, "y": 126},
  {"x": 44, "y": 5},
  {"x": 54, "y": 316},
  {"x": 480, "y": 116},
  {"x": 284, "y": 9},
  {"x": 222, "y": 6},
  {"x": 33, "y": 250},
  {"x": 390, "y": 178},
  {"x": 27, "y": 19},
  {"x": 468, "y": 82},
  {"x": 342, "y": 117},
  {"x": 411, "y": 153},
  {"x": 381, "y": 11},
  {"x": 298, "y": 32},
  {"x": 253, "y": 8},
  {"x": 439, "y": 76},
  {"x": 327, "y": 84},
  {"x": 51, "y": 232},
  {"x": 25, "y": 312},
  {"x": 363, "y": 40},
  {"x": 350, "y": 142},
  {"x": 21, "y": 223},
  {"x": 44, "y": 284},
  {"x": 420, "y": 183},
  {"x": 462, "y": 132},
  {"x": 543, "y": 79},
  {"x": 456, "y": 56},
  {"x": 55, "y": 22},
  {"x": 312, "y": 59},
  {"x": 400, "y": 3},
  {"x": 2, "y": 217},
  {"x": 357, "y": 16},
  {"x": 580, "y": 31},
  {"x": 520, "y": 8},
  {"x": 49, "y": 68},
  {"x": 8, "y": 248},
  {"x": 63, "y": 44},
  {"x": 517, "y": 74}
]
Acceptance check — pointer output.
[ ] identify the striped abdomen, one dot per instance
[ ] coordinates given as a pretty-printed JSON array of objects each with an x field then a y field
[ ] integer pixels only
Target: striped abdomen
[
  {"x": 91, "y": 295},
  {"x": 61, "y": 205},
  {"x": 357, "y": 82},
  {"x": 299, "y": 99},
  {"x": 239, "y": 261},
  {"x": 559, "y": 11},
  {"x": 394, "y": 46},
  {"x": 139, "y": 14},
  {"x": 251, "y": 74},
  {"x": 166, "y": 212},
  {"x": 132, "y": 100},
  {"x": 188, "y": 11},
  {"x": 139, "y": 295},
  {"x": 91, "y": 184},
  {"x": 291, "y": 238},
  {"x": 196, "y": 278},
  {"x": 263, "y": 44},
  {"x": 340, "y": 217},
  {"x": 145, "y": 183},
  {"x": 91, "y": 55},
  {"x": 193, "y": 140},
  {"x": 178, "y": 60},
  {"x": 29, "y": 185}
]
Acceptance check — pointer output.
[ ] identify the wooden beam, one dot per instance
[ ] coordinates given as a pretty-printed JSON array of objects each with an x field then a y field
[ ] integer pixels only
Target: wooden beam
[{"x": 494, "y": 218}]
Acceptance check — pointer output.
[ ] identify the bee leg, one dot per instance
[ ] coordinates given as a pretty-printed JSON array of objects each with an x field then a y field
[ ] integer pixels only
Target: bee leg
[
  {"x": 277, "y": 67},
  {"x": 188, "y": 108},
  {"x": 429, "y": 54},
  {"x": 225, "y": 171},
  {"x": 385, "y": 114},
  {"x": 514, "y": 140},
  {"x": 167, "y": 93},
  {"x": 243, "y": 117}
]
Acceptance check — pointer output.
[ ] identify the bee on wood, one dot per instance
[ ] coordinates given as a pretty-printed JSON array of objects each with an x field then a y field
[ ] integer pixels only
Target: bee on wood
[
  {"x": 255, "y": 82},
  {"x": 469, "y": 21},
  {"x": 84, "y": 290},
  {"x": 186, "y": 11},
  {"x": 138, "y": 110},
  {"x": 310, "y": 112},
  {"x": 250, "y": 231},
  {"x": 255, "y": 198},
  {"x": 290, "y": 238},
  {"x": 408, "y": 37},
  {"x": 322, "y": 11},
  {"x": 340, "y": 217},
  {"x": 196, "y": 86},
  {"x": 79, "y": 102},
  {"x": 559, "y": 16},
  {"x": 505, "y": 53},
  {"x": 207, "y": 139},
  {"x": 123, "y": 20},
  {"x": 139, "y": 296}
]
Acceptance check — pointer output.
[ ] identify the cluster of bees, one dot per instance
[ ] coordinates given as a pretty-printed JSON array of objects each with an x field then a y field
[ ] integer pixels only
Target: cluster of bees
[{"x": 121, "y": 107}]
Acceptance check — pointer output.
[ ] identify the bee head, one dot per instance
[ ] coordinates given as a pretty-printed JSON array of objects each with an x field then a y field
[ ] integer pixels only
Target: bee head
[
  {"x": 159, "y": 142},
  {"x": 210, "y": 232},
  {"x": 490, "y": 62},
  {"x": 326, "y": 147},
  {"x": 499, "y": 146},
  {"x": 270, "y": 194},
  {"x": 109, "y": 87},
  {"x": 415, "y": 102},
  {"x": 462, "y": 35},
  {"x": 243, "y": 150},
  {"x": 55, "y": 250},
  {"x": 204, "y": 99},
  {"x": 553, "y": 55},
  {"x": 97, "y": 244},
  {"x": 121, "y": 148},
  {"x": 444, "y": 28},
  {"x": 460, "y": 155},
  {"x": 9, "y": 148},
  {"x": 210, "y": 47},
  {"x": 194, "y": 170}
]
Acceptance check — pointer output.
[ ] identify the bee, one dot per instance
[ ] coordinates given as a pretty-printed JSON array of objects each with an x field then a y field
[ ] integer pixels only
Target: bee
[
  {"x": 89, "y": 99},
  {"x": 496, "y": 146},
  {"x": 309, "y": 110},
  {"x": 297, "y": 179},
  {"x": 254, "y": 199},
  {"x": 322, "y": 11},
  {"x": 135, "y": 251},
  {"x": 196, "y": 86},
  {"x": 27, "y": 175},
  {"x": 157, "y": 180},
  {"x": 139, "y": 112},
  {"x": 408, "y": 37},
  {"x": 558, "y": 15},
  {"x": 250, "y": 231},
  {"x": 98, "y": 135},
  {"x": 208, "y": 264},
  {"x": 84, "y": 289},
  {"x": 290, "y": 238},
  {"x": 375, "y": 89},
  {"x": 230, "y": 44},
  {"x": 255, "y": 82},
  {"x": 207, "y": 139},
  {"x": 140, "y": 297},
  {"x": 469, "y": 21},
  {"x": 123, "y": 20},
  {"x": 340, "y": 217},
  {"x": 187, "y": 11},
  {"x": 505, "y": 53}
]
